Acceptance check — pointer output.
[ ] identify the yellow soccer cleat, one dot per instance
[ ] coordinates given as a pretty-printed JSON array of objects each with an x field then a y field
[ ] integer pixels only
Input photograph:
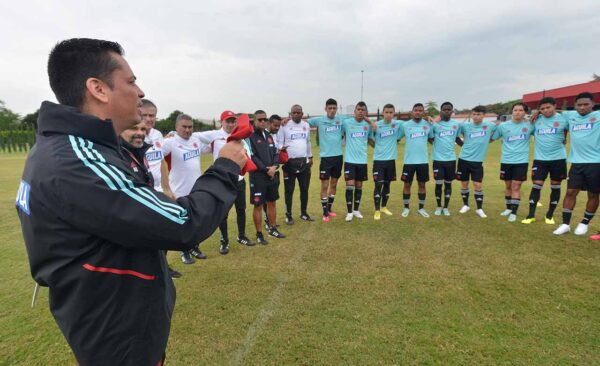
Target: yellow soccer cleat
[
  {"x": 377, "y": 215},
  {"x": 550, "y": 221},
  {"x": 386, "y": 211},
  {"x": 528, "y": 221}
]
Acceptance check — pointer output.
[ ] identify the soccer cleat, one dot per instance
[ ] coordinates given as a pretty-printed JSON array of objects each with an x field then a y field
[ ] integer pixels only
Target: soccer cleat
[
  {"x": 386, "y": 211},
  {"x": 224, "y": 248},
  {"x": 562, "y": 229},
  {"x": 260, "y": 239},
  {"x": 506, "y": 212},
  {"x": 349, "y": 216},
  {"x": 528, "y": 220},
  {"x": 377, "y": 215},
  {"x": 512, "y": 217},
  {"x": 581, "y": 229},
  {"x": 549, "y": 221},
  {"x": 539, "y": 204},
  {"x": 405, "y": 212},
  {"x": 186, "y": 258},
  {"x": 196, "y": 252},
  {"x": 595, "y": 236},
  {"x": 245, "y": 241},
  {"x": 325, "y": 218},
  {"x": 423, "y": 213},
  {"x": 464, "y": 209},
  {"x": 357, "y": 214},
  {"x": 438, "y": 211},
  {"x": 275, "y": 233},
  {"x": 332, "y": 214},
  {"x": 479, "y": 212},
  {"x": 446, "y": 212},
  {"x": 305, "y": 217},
  {"x": 173, "y": 273}
]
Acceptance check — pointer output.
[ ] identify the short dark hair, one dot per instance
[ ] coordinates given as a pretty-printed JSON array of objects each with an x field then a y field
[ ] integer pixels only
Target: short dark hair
[
  {"x": 361, "y": 104},
  {"x": 73, "y": 61},
  {"x": 525, "y": 107},
  {"x": 274, "y": 117},
  {"x": 260, "y": 111},
  {"x": 547, "y": 100},
  {"x": 418, "y": 105},
  {"x": 584, "y": 95},
  {"x": 182, "y": 116},
  {"x": 389, "y": 105},
  {"x": 479, "y": 109},
  {"x": 445, "y": 104},
  {"x": 330, "y": 101},
  {"x": 148, "y": 103}
]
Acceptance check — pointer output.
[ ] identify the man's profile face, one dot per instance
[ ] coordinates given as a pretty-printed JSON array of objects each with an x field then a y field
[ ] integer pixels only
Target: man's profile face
[
  {"x": 418, "y": 112},
  {"x": 184, "y": 128},
  {"x": 388, "y": 114},
  {"x": 275, "y": 126},
  {"x": 548, "y": 109},
  {"x": 360, "y": 112},
  {"x": 261, "y": 121},
  {"x": 229, "y": 124},
  {"x": 296, "y": 113},
  {"x": 477, "y": 117},
  {"x": 518, "y": 113},
  {"x": 135, "y": 135},
  {"x": 331, "y": 110},
  {"x": 446, "y": 112},
  {"x": 148, "y": 116},
  {"x": 584, "y": 106}
]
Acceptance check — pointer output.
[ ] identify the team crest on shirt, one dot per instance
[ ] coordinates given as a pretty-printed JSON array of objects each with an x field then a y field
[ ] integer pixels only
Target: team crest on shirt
[
  {"x": 303, "y": 128},
  {"x": 485, "y": 127},
  {"x": 365, "y": 128},
  {"x": 556, "y": 124},
  {"x": 425, "y": 128},
  {"x": 393, "y": 125},
  {"x": 157, "y": 143},
  {"x": 593, "y": 119},
  {"x": 337, "y": 122},
  {"x": 454, "y": 127},
  {"x": 195, "y": 145},
  {"x": 524, "y": 129}
]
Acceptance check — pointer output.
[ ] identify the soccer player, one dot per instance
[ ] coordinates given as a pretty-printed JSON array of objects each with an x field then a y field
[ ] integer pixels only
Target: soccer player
[
  {"x": 444, "y": 157},
  {"x": 584, "y": 129},
  {"x": 183, "y": 152},
  {"x": 273, "y": 126},
  {"x": 385, "y": 140},
  {"x": 416, "y": 157},
  {"x": 549, "y": 157},
  {"x": 357, "y": 131},
  {"x": 216, "y": 139},
  {"x": 294, "y": 138},
  {"x": 476, "y": 136},
  {"x": 264, "y": 183},
  {"x": 516, "y": 135},
  {"x": 329, "y": 129}
]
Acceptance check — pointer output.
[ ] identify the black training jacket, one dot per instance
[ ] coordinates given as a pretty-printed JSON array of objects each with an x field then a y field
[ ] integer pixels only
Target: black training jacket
[
  {"x": 95, "y": 235},
  {"x": 264, "y": 151}
]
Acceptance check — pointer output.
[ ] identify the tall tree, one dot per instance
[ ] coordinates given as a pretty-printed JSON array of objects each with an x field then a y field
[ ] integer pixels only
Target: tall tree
[
  {"x": 8, "y": 118},
  {"x": 30, "y": 120},
  {"x": 431, "y": 108}
]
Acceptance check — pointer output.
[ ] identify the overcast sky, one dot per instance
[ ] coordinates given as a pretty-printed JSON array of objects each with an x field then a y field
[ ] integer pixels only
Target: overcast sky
[{"x": 206, "y": 56}]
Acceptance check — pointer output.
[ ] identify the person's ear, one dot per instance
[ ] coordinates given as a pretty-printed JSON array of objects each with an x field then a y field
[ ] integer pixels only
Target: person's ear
[{"x": 97, "y": 90}]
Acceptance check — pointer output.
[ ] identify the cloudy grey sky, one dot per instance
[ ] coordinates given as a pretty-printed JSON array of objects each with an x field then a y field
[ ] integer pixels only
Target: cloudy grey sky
[{"x": 206, "y": 56}]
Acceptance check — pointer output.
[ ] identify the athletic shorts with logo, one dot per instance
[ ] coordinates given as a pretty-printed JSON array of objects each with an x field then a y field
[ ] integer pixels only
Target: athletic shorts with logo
[
  {"x": 584, "y": 176},
  {"x": 557, "y": 169},
  {"x": 355, "y": 172},
  {"x": 263, "y": 188},
  {"x": 444, "y": 170},
  {"x": 469, "y": 170},
  {"x": 384, "y": 170},
  {"x": 409, "y": 171},
  {"x": 514, "y": 171},
  {"x": 330, "y": 167}
]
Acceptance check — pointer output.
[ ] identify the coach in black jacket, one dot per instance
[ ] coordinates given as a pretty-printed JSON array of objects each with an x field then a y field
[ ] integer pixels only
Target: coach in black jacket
[{"x": 94, "y": 232}]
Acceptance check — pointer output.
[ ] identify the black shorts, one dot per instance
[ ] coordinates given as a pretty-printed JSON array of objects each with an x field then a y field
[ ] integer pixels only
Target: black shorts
[
  {"x": 557, "y": 169},
  {"x": 384, "y": 170},
  {"x": 355, "y": 172},
  {"x": 584, "y": 176},
  {"x": 469, "y": 169},
  {"x": 331, "y": 166},
  {"x": 444, "y": 170},
  {"x": 263, "y": 188},
  {"x": 409, "y": 170},
  {"x": 514, "y": 171}
]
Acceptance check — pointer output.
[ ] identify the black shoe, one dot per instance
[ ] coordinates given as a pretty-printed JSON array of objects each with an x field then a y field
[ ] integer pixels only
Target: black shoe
[
  {"x": 186, "y": 258},
  {"x": 275, "y": 233},
  {"x": 260, "y": 239},
  {"x": 173, "y": 273},
  {"x": 245, "y": 241},
  {"x": 224, "y": 249},
  {"x": 305, "y": 217},
  {"x": 288, "y": 219},
  {"x": 196, "y": 252}
]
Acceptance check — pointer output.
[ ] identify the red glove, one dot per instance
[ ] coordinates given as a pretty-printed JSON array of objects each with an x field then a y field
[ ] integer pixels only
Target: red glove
[{"x": 242, "y": 131}]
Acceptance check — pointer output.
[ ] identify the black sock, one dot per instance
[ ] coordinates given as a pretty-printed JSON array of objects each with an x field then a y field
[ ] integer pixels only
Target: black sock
[
  {"x": 508, "y": 201},
  {"x": 357, "y": 197},
  {"x": 324, "y": 205},
  {"x": 421, "y": 200},
  {"x": 515, "y": 205},
  {"x": 349, "y": 196},
  {"x": 438, "y": 193},
  {"x": 406, "y": 199},
  {"x": 465, "y": 196},
  {"x": 479, "y": 199},
  {"x": 534, "y": 197},
  {"x": 330, "y": 202},
  {"x": 377, "y": 195},
  {"x": 567, "y": 216},
  {"x": 447, "y": 193},
  {"x": 554, "y": 198},
  {"x": 587, "y": 216},
  {"x": 385, "y": 194}
]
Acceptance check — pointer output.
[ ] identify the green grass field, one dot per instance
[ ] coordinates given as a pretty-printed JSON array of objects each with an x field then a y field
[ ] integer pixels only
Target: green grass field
[{"x": 445, "y": 290}]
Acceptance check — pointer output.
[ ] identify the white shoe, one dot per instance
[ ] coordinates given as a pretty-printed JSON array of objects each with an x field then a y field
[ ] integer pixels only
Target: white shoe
[
  {"x": 349, "y": 216},
  {"x": 446, "y": 212},
  {"x": 357, "y": 214},
  {"x": 581, "y": 229},
  {"x": 438, "y": 211},
  {"x": 405, "y": 212},
  {"x": 562, "y": 229},
  {"x": 480, "y": 213},
  {"x": 423, "y": 213},
  {"x": 512, "y": 217},
  {"x": 464, "y": 209},
  {"x": 506, "y": 212}
]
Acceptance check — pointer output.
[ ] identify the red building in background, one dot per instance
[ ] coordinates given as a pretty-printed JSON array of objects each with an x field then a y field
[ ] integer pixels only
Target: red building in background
[{"x": 565, "y": 96}]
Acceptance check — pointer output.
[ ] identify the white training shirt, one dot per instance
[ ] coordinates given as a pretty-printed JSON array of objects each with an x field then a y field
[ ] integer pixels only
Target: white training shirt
[
  {"x": 154, "y": 155},
  {"x": 185, "y": 162},
  {"x": 216, "y": 139},
  {"x": 295, "y": 137}
]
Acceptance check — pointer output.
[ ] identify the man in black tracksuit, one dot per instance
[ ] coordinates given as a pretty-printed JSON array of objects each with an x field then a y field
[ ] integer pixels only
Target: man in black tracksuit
[{"x": 94, "y": 231}]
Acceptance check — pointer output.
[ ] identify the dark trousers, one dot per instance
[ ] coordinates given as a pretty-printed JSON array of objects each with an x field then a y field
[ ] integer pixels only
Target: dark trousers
[
  {"x": 292, "y": 170},
  {"x": 240, "y": 211}
]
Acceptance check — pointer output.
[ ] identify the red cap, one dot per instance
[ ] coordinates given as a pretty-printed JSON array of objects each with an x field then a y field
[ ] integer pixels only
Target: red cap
[{"x": 226, "y": 115}]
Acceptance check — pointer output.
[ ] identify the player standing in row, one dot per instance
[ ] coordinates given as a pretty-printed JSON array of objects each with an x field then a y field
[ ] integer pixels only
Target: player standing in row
[
  {"x": 357, "y": 131},
  {"x": 273, "y": 126},
  {"x": 416, "y": 157},
  {"x": 549, "y": 158},
  {"x": 329, "y": 129},
  {"x": 294, "y": 138},
  {"x": 445, "y": 135},
  {"x": 183, "y": 151},
  {"x": 385, "y": 140},
  {"x": 584, "y": 128},
  {"x": 515, "y": 135},
  {"x": 476, "y": 137}
]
